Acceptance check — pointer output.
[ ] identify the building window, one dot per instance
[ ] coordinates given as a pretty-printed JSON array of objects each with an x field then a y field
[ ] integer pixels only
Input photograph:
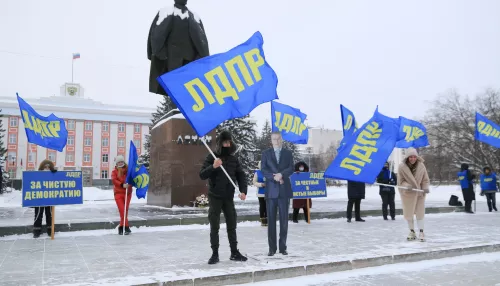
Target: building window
[
  {"x": 88, "y": 141},
  {"x": 88, "y": 126},
  {"x": 105, "y": 126},
  {"x": 12, "y": 138},
  {"x": 11, "y": 158},
  {"x": 104, "y": 174},
  {"x": 12, "y": 174},
  {"x": 31, "y": 157},
  {"x": 71, "y": 125},
  {"x": 137, "y": 143},
  {"x": 137, "y": 128},
  {"x": 105, "y": 142},
  {"x": 52, "y": 156},
  {"x": 105, "y": 158},
  {"x": 86, "y": 158},
  {"x": 71, "y": 141},
  {"x": 121, "y": 142},
  {"x": 69, "y": 158},
  {"x": 121, "y": 127},
  {"x": 13, "y": 122}
]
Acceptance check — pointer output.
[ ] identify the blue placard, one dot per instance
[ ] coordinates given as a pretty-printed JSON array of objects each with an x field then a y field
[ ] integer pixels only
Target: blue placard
[
  {"x": 44, "y": 188},
  {"x": 308, "y": 185}
]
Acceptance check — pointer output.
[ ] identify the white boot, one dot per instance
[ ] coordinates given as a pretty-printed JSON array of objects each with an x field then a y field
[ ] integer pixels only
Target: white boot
[
  {"x": 421, "y": 236},
  {"x": 411, "y": 236}
]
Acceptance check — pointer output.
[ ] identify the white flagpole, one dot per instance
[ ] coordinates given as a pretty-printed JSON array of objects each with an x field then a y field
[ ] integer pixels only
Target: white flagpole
[
  {"x": 215, "y": 158},
  {"x": 400, "y": 187}
]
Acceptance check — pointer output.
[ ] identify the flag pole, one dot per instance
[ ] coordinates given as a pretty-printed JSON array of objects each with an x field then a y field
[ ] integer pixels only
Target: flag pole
[
  {"x": 72, "y": 66},
  {"x": 215, "y": 158}
]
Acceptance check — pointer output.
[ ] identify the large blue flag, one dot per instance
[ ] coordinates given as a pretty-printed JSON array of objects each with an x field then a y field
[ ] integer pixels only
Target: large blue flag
[
  {"x": 223, "y": 86},
  {"x": 290, "y": 122},
  {"x": 487, "y": 131},
  {"x": 49, "y": 132},
  {"x": 412, "y": 134},
  {"x": 137, "y": 175},
  {"x": 363, "y": 155}
]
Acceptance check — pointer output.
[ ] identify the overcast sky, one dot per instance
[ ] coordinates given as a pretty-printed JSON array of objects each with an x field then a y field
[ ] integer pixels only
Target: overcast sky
[{"x": 397, "y": 54}]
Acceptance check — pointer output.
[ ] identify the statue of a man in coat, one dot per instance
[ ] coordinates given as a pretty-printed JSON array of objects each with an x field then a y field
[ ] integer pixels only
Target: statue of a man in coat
[{"x": 176, "y": 38}]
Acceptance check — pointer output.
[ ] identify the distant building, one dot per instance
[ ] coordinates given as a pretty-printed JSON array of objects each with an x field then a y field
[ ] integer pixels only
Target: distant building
[
  {"x": 320, "y": 139},
  {"x": 97, "y": 133}
]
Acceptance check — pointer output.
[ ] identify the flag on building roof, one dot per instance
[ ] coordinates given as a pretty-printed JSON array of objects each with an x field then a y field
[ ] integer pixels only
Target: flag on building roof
[{"x": 76, "y": 56}]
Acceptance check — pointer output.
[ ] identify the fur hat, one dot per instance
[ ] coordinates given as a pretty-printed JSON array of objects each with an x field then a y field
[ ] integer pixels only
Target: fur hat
[
  {"x": 225, "y": 135},
  {"x": 119, "y": 159}
]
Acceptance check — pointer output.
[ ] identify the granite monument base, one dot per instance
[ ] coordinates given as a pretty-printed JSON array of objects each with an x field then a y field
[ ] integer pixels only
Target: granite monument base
[{"x": 176, "y": 157}]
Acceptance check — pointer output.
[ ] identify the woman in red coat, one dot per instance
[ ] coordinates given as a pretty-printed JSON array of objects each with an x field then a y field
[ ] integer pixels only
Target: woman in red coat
[
  {"x": 119, "y": 176},
  {"x": 300, "y": 203}
]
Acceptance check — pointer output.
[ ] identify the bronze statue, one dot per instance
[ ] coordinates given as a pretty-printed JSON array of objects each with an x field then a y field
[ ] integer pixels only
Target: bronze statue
[{"x": 176, "y": 38}]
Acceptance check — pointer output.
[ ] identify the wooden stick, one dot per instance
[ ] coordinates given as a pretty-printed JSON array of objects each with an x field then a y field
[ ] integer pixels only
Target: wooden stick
[
  {"x": 308, "y": 212},
  {"x": 53, "y": 210}
]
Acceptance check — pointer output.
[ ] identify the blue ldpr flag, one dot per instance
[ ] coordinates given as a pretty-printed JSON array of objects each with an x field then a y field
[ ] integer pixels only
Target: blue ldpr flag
[
  {"x": 290, "y": 122},
  {"x": 224, "y": 86},
  {"x": 137, "y": 176},
  {"x": 349, "y": 124},
  {"x": 363, "y": 155},
  {"x": 49, "y": 132},
  {"x": 412, "y": 134},
  {"x": 487, "y": 131}
]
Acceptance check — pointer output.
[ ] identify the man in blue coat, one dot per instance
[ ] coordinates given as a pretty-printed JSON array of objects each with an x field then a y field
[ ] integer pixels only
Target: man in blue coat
[{"x": 277, "y": 167}]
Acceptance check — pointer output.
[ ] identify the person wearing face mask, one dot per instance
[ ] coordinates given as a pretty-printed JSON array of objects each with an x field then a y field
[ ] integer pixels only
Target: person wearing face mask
[
  {"x": 46, "y": 165},
  {"x": 387, "y": 194},
  {"x": 277, "y": 167},
  {"x": 489, "y": 188},
  {"x": 259, "y": 182},
  {"x": 121, "y": 190},
  {"x": 300, "y": 203},
  {"x": 413, "y": 175},
  {"x": 221, "y": 193},
  {"x": 466, "y": 179}
]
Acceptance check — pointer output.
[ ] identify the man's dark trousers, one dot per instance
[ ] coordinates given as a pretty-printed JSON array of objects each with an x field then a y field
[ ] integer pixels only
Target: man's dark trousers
[
  {"x": 226, "y": 205},
  {"x": 273, "y": 205}
]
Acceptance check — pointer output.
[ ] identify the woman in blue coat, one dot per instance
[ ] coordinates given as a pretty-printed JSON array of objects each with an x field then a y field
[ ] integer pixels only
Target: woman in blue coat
[
  {"x": 259, "y": 182},
  {"x": 489, "y": 187}
]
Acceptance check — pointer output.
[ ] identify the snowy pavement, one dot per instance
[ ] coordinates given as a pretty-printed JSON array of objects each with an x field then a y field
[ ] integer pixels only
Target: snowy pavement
[
  {"x": 181, "y": 252},
  {"x": 477, "y": 269}
]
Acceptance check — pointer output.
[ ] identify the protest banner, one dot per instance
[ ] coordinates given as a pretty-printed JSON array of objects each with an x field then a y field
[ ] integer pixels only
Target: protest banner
[{"x": 306, "y": 185}]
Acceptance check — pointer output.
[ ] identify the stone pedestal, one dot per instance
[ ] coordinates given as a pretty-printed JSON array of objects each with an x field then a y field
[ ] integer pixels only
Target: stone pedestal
[{"x": 177, "y": 155}]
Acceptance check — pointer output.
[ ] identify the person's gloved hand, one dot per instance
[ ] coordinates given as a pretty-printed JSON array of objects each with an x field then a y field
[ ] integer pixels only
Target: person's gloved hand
[{"x": 426, "y": 191}]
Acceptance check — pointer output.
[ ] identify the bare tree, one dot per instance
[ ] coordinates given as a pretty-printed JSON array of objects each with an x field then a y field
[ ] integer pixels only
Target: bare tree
[{"x": 450, "y": 125}]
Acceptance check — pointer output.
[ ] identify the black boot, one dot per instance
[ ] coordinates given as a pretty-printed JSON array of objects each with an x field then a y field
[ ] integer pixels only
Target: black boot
[
  {"x": 385, "y": 218},
  {"x": 489, "y": 206},
  {"x": 214, "y": 258},
  {"x": 127, "y": 230},
  {"x": 49, "y": 231},
  {"x": 36, "y": 233},
  {"x": 237, "y": 256},
  {"x": 264, "y": 221},
  {"x": 120, "y": 230}
]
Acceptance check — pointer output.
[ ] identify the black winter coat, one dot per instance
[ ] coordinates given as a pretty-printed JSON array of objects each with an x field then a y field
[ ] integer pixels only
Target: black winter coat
[
  {"x": 218, "y": 184},
  {"x": 355, "y": 190},
  {"x": 468, "y": 193},
  {"x": 382, "y": 180}
]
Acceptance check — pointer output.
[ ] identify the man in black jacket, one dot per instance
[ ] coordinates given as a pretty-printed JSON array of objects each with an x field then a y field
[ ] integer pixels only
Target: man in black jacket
[
  {"x": 221, "y": 193},
  {"x": 387, "y": 194}
]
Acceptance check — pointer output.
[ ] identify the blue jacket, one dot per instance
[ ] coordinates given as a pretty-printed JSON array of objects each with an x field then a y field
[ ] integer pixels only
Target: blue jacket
[
  {"x": 260, "y": 179},
  {"x": 465, "y": 179},
  {"x": 270, "y": 166},
  {"x": 488, "y": 182}
]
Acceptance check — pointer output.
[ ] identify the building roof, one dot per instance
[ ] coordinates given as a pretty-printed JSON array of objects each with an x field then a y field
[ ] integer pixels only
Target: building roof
[{"x": 79, "y": 108}]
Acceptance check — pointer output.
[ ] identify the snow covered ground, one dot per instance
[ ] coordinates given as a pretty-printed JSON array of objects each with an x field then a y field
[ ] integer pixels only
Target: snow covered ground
[
  {"x": 476, "y": 269},
  {"x": 181, "y": 252}
]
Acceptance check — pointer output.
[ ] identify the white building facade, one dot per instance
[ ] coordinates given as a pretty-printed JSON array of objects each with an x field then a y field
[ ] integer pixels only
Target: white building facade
[{"x": 97, "y": 133}]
